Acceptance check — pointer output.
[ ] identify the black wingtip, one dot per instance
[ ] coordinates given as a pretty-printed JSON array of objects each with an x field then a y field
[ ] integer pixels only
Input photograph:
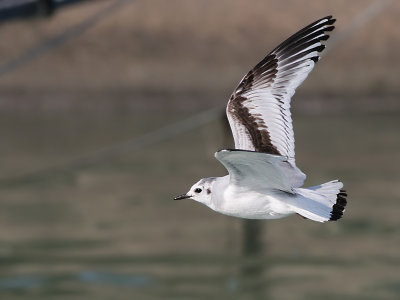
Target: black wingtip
[
  {"x": 330, "y": 20},
  {"x": 319, "y": 48},
  {"x": 329, "y": 28},
  {"x": 338, "y": 208}
]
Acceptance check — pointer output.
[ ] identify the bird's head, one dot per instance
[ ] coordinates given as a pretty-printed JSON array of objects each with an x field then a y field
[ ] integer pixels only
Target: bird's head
[{"x": 201, "y": 191}]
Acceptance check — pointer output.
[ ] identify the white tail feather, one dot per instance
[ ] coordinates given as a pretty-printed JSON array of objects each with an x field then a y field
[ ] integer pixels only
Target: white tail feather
[{"x": 321, "y": 203}]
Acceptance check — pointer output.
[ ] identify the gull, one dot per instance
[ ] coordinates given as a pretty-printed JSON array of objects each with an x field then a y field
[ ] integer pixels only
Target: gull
[{"x": 263, "y": 181}]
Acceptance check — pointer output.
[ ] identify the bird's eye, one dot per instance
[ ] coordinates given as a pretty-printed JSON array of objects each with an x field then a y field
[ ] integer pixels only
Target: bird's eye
[{"x": 198, "y": 190}]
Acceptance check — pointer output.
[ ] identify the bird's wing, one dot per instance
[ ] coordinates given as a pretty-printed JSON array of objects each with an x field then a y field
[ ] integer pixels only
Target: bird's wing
[
  {"x": 249, "y": 169},
  {"x": 259, "y": 109}
]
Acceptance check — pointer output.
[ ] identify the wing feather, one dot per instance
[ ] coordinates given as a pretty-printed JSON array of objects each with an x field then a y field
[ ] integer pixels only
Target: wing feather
[
  {"x": 259, "y": 109},
  {"x": 252, "y": 170}
]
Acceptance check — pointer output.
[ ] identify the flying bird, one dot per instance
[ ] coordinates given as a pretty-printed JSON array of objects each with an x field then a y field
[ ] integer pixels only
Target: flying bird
[{"x": 264, "y": 181}]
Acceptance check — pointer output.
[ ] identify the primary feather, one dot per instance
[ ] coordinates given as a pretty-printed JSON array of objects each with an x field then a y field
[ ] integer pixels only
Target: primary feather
[{"x": 259, "y": 109}]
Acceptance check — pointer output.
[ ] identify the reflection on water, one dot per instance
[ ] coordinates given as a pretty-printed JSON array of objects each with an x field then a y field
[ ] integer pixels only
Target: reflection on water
[
  {"x": 253, "y": 267},
  {"x": 112, "y": 231},
  {"x": 91, "y": 277},
  {"x": 21, "y": 282},
  {"x": 114, "y": 278},
  {"x": 180, "y": 276}
]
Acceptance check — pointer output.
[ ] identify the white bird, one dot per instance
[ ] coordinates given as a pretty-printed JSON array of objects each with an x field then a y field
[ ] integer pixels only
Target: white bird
[{"x": 264, "y": 181}]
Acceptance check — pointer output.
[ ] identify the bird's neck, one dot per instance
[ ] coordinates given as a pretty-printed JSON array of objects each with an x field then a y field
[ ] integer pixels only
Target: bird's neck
[{"x": 218, "y": 189}]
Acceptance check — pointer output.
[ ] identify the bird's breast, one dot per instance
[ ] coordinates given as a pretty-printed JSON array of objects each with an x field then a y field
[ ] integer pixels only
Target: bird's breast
[{"x": 253, "y": 204}]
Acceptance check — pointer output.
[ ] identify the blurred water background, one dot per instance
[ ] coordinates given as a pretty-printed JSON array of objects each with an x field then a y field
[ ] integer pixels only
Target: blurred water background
[{"x": 109, "y": 109}]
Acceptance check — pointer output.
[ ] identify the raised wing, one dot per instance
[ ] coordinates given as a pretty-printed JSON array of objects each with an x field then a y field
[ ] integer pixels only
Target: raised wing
[
  {"x": 259, "y": 109},
  {"x": 249, "y": 169}
]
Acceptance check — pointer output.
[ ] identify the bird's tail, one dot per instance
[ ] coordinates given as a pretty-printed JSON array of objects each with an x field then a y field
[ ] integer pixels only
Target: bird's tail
[{"x": 321, "y": 203}]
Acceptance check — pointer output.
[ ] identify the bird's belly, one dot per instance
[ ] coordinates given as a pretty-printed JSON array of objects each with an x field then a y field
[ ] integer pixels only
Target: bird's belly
[{"x": 255, "y": 206}]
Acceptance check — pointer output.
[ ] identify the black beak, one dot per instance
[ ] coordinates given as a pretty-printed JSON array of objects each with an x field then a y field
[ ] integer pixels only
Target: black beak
[{"x": 184, "y": 196}]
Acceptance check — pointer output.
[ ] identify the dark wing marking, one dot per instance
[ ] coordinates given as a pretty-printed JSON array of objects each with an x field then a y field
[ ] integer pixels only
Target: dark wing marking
[{"x": 259, "y": 109}]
